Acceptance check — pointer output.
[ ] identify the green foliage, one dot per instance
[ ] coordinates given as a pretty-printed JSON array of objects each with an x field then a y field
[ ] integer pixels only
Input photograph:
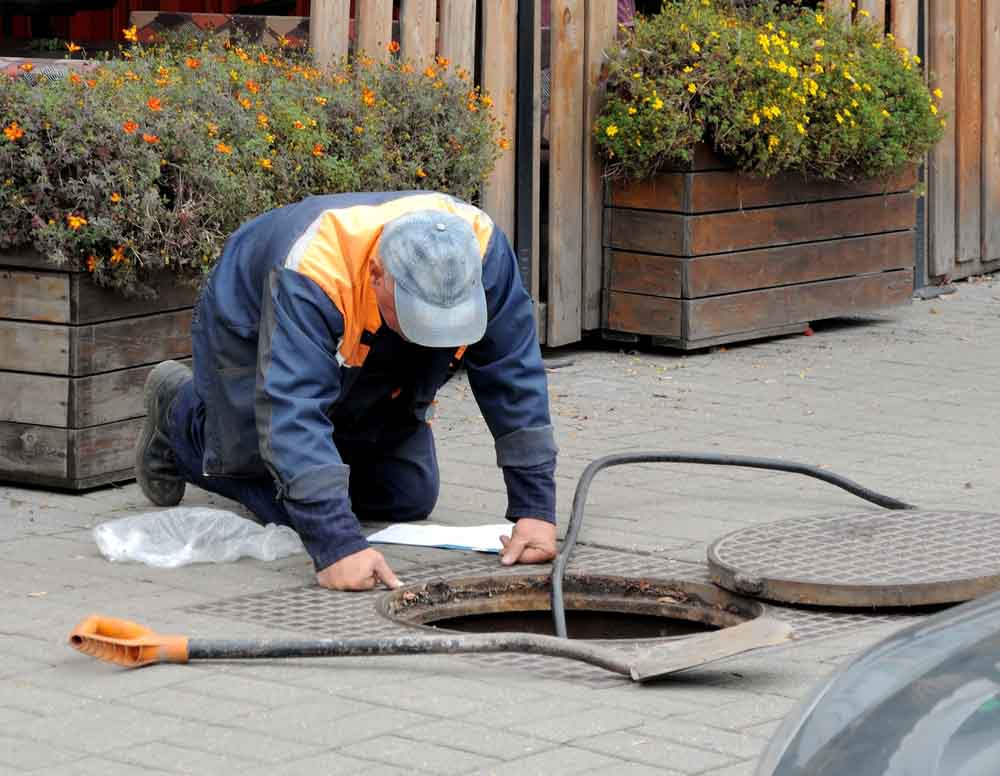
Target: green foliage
[
  {"x": 774, "y": 87},
  {"x": 149, "y": 162}
]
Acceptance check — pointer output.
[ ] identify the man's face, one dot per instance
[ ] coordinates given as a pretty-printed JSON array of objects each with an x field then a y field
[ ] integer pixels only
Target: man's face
[{"x": 385, "y": 296}]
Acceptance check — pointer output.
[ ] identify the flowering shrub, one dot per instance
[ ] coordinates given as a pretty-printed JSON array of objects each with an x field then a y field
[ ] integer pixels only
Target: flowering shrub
[
  {"x": 150, "y": 161},
  {"x": 774, "y": 88}
]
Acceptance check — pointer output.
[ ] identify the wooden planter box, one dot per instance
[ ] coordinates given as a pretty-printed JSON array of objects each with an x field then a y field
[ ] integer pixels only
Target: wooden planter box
[
  {"x": 707, "y": 256},
  {"x": 73, "y": 360}
]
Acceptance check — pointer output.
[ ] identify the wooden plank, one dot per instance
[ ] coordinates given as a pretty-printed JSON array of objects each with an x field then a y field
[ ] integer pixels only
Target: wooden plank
[
  {"x": 38, "y": 399},
  {"x": 536, "y": 179},
  {"x": 101, "y": 449},
  {"x": 329, "y": 30},
  {"x": 644, "y": 314},
  {"x": 566, "y": 172},
  {"x": 34, "y": 347},
  {"x": 875, "y": 10},
  {"x": 969, "y": 129},
  {"x": 764, "y": 309},
  {"x": 743, "y": 230},
  {"x": 374, "y": 25},
  {"x": 704, "y": 192},
  {"x": 646, "y": 231},
  {"x": 34, "y": 296},
  {"x": 90, "y": 303},
  {"x": 841, "y": 7},
  {"x": 499, "y": 81},
  {"x": 29, "y": 258},
  {"x": 644, "y": 273},
  {"x": 30, "y": 450},
  {"x": 104, "y": 347},
  {"x": 458, "y": 33},
  {"x": 602, "y": 27},
  {"x": 418, "y": 33},
  {"x": 941, "y": 252},
  {"x": 991, "y": 132},
  {"x": 729, "y": 273},
  {"x": 905, "y": 23}
]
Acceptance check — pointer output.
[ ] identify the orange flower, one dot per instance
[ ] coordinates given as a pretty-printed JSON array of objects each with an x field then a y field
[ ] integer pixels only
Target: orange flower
[
  {"x": 75, "y": 78},
  {"x": 317, "y": 150},
  {"x": 245, "y": 103},
  {"x": 72, "y": 47},
  {"x": 253, "y": 86},
  {"x": 473, "y": 107},
  {"x": 359, "y": 130},
  {"x": 283, "y": 41},
  {"x": 262, "y": 119},
  {"x": 116, "y": 197},
  {"x": 393, "y": 47},
  {"x": 151, "y": 139},
  {"x": 486, "y": 100},
  {"x": 131, "y": 34},
  {"x": 407, "y": 67},
  {"x": 442, "y": 61},
  {"x": 130, "y": 127},
  {"x": 213, "y": 129},
  {"x": 193, "y": 63},
  {"x": 222, "y": 148},
  {"x": 153, "y": 103},
  {"x": 298, "y": 124},
  {"x": 421, "y": 173},
  {"x": 504, "y": 143},
  {"x": 265, "y": 163},
  {"x": 320, "y": 100},
  {"x": 75, "y": 221},
  {"x": 13, "y": 131},
  {"x": 263, "y": 59},
  {"x": 27, "y": 67},
  {"x": 91, "y": 263},
  {"x": 368, "y": 97},
  {"x": 430, "y": 72},
  {"x": 91, "y": 83},
  {"x": 118, "y": 254}
]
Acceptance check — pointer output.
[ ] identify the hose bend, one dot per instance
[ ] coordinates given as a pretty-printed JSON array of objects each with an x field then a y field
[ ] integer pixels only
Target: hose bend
[{"x": 620, "y": 459}]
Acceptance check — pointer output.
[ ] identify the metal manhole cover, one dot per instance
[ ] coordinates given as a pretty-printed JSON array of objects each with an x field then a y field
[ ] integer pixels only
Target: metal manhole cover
[{"x": 864, "y": 559}]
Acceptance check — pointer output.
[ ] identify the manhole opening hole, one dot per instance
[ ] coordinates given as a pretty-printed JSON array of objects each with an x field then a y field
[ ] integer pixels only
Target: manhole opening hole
[{"x": 597, "y": 607}]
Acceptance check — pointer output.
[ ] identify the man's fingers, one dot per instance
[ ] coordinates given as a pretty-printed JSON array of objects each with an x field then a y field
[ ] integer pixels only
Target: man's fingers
[
  {"x": 536, "y": 555},
  {"x": 386, "y": 574},
  {"x": 512, "y": 549}
]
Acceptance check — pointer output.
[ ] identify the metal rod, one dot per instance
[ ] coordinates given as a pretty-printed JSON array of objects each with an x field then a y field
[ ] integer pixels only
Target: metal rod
[{"x": 620, "y": 459}]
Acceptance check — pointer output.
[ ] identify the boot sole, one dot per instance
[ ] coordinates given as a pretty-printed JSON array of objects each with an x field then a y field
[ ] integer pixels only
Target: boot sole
[{"x": 163, "y": 497}]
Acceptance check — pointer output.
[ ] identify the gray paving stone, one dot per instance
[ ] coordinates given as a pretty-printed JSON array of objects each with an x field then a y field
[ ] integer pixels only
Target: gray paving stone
[
  {"x": 580, "y": 724},
  {"x": 189, "y": 706},
  {"x": 743, "y": 714},
  {"x": 738, "y": 745},
  {"x": 421, "y": 755},
  {"x": 418, "y": 699},
  {"x": 652, "y": 750},
  {"x": 329, "y": 764},
  {"x": 223, "y": 683},
  {"x": 331, "y": 725},
  {"x": 179, "y": 759},
  {"x": 563, "y": 761},
  {"x": 29, "y": 755},
  {"x": 22, "y": 695},
  {"x": 239, "y": 743},
  {"x": 484, "y": 738},
  {"x": 638, "y": 769},
  {"x": 524, "y": 713},
  {"x": 102, "y": 767}
]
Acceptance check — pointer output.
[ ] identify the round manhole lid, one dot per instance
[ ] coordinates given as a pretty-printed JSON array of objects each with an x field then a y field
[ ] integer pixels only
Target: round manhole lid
[{"x": 865, "y": 559}]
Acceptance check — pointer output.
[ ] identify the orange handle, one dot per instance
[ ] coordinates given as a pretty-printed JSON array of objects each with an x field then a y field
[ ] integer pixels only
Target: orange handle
[{"x": 126, "y": 643}]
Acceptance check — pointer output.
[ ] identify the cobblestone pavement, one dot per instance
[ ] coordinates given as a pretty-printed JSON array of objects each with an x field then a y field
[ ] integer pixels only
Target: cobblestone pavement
[{"x": 905, "y": 403}]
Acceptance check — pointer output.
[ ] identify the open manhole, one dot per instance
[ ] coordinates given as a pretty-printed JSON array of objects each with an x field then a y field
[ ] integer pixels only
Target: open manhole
[{"x": 597, "y": 607}]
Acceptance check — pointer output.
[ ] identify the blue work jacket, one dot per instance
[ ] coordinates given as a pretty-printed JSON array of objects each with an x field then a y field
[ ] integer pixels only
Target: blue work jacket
[{"x": 282, "y": 330}]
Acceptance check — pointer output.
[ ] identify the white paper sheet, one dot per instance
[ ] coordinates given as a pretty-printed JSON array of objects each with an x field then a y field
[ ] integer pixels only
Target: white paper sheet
[{"x": 479, "y": 538}]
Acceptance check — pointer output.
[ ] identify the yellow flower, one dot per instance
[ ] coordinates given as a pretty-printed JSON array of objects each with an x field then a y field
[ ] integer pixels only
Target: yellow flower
[
  {"x": 934, "y": 108},
  {"x": 245, "y": 103},
  {"x": 938, "y": 93},
  {"x": 657, "y": 104},
  {"x": 72, "y": 48},
  {"x": 75, "y": 222},
  {"x": 886, "y": 113},
  {"x": 801, "y": 128},
  {"x": 631, "y": 110},
  {"x": 118, "y": 254},
  {"x": 840, "y": 119},
  {"x": 854, "y": 103},
  {"x": 863, "y": 12},
  {"x": 320, "y": 100},
  {"x": 421, "y": 173},
  {"x": 756, "y": 119},
  {"x": 430, "y": 72},
  {"x": 688, "y": 69},
  {"x": 265, "y": 163},
  {"x": 770, "y": 25},
  {"x": 692, "y": 88},
  {"x": 773, "y": 142},
  {"x": 262, "y": 119},
  {"x": 442, "y": 62},
  {"x": 637, "y": 75},
  {"x": 27, "y": 67},
  {"x": 695, "y": 47},
  {"x": 359, "y": 130},
  {"x": 131, "y": 34},
  {"x": 269, "y": 138},
  {"x": 819, "y": 43},
  {"x": 213, "y": 129},
  {"x": 820, "y": 18},
  {"x": 116, "y": 197},
  {"x": 847, "y": 112},
  {"x": 611, "y": 130},
  {"x": 222, "y": 148}
]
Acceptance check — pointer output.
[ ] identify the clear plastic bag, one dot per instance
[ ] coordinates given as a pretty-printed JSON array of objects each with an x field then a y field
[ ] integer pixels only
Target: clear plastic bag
[{"x": 183, "y": 535}]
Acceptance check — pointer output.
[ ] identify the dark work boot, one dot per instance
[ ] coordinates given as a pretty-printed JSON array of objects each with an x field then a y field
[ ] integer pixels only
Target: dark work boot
[{"x": 155, "y": 466}]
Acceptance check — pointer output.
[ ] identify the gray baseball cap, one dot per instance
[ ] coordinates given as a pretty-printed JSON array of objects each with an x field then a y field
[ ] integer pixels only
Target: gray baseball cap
[{"x": 435, "y": 262}]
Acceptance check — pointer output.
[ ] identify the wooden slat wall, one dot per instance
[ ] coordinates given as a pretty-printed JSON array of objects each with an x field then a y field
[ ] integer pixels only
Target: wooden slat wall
[
  {"x": 566, "y": 173},
  {"x": 499, "y": 80},
  {"x": 942, "y": 18},
  {"x": 969, "y": 130},
  {"x": 875, "y": 10},
  {"x": 418, "y": 31},
  {"x": 329, "y": 30},
  {"x": 458, "y": 18},
  {"x": 906, "y": 22},
  {"x": 991, "y": 131},
  {"x": 374, "y": 24}
]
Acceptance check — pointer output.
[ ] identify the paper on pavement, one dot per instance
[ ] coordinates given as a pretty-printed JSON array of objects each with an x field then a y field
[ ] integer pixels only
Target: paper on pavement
[{"x": 480, "y": 538}]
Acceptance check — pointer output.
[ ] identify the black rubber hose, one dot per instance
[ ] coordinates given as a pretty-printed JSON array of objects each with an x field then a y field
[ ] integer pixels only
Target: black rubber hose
[{"x": 620, "y": 459}]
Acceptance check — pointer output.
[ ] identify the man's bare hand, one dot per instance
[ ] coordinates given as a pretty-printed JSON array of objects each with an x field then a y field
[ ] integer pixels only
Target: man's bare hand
[
  {"x": 531, "y": 541},
  {"x": 360, "y": 571}
]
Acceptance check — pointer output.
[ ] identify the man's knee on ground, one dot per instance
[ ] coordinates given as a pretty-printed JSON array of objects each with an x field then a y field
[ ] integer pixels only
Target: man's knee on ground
[{"x": 419, "y": 503}]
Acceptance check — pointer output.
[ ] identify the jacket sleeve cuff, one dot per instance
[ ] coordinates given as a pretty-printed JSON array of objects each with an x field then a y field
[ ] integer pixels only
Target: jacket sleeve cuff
[
  {"x": 527, "y": 447},
  {"x": 531, "y": 491},
  {"x": 327, "y": 556}
]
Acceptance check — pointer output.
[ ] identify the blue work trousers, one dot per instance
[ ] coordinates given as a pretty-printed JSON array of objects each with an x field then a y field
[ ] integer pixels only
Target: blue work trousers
[{"x": 393, "y": 478}]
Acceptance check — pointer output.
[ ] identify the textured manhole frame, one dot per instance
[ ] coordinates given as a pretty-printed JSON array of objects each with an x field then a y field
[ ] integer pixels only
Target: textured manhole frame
[
  {"x": 677, "y": 599},
  {"x": 896, "y": 558},
  {"x": 314, "y": 611}
]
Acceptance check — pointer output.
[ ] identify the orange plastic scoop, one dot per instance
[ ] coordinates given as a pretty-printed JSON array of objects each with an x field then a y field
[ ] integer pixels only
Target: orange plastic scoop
[{"x": 126, "y": 643}]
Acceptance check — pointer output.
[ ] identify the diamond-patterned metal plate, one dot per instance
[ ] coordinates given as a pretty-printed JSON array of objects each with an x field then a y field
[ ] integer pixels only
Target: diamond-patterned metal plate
[
  {"x": 323, "y": 613},
  {"x": 863, "y": 559}
]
